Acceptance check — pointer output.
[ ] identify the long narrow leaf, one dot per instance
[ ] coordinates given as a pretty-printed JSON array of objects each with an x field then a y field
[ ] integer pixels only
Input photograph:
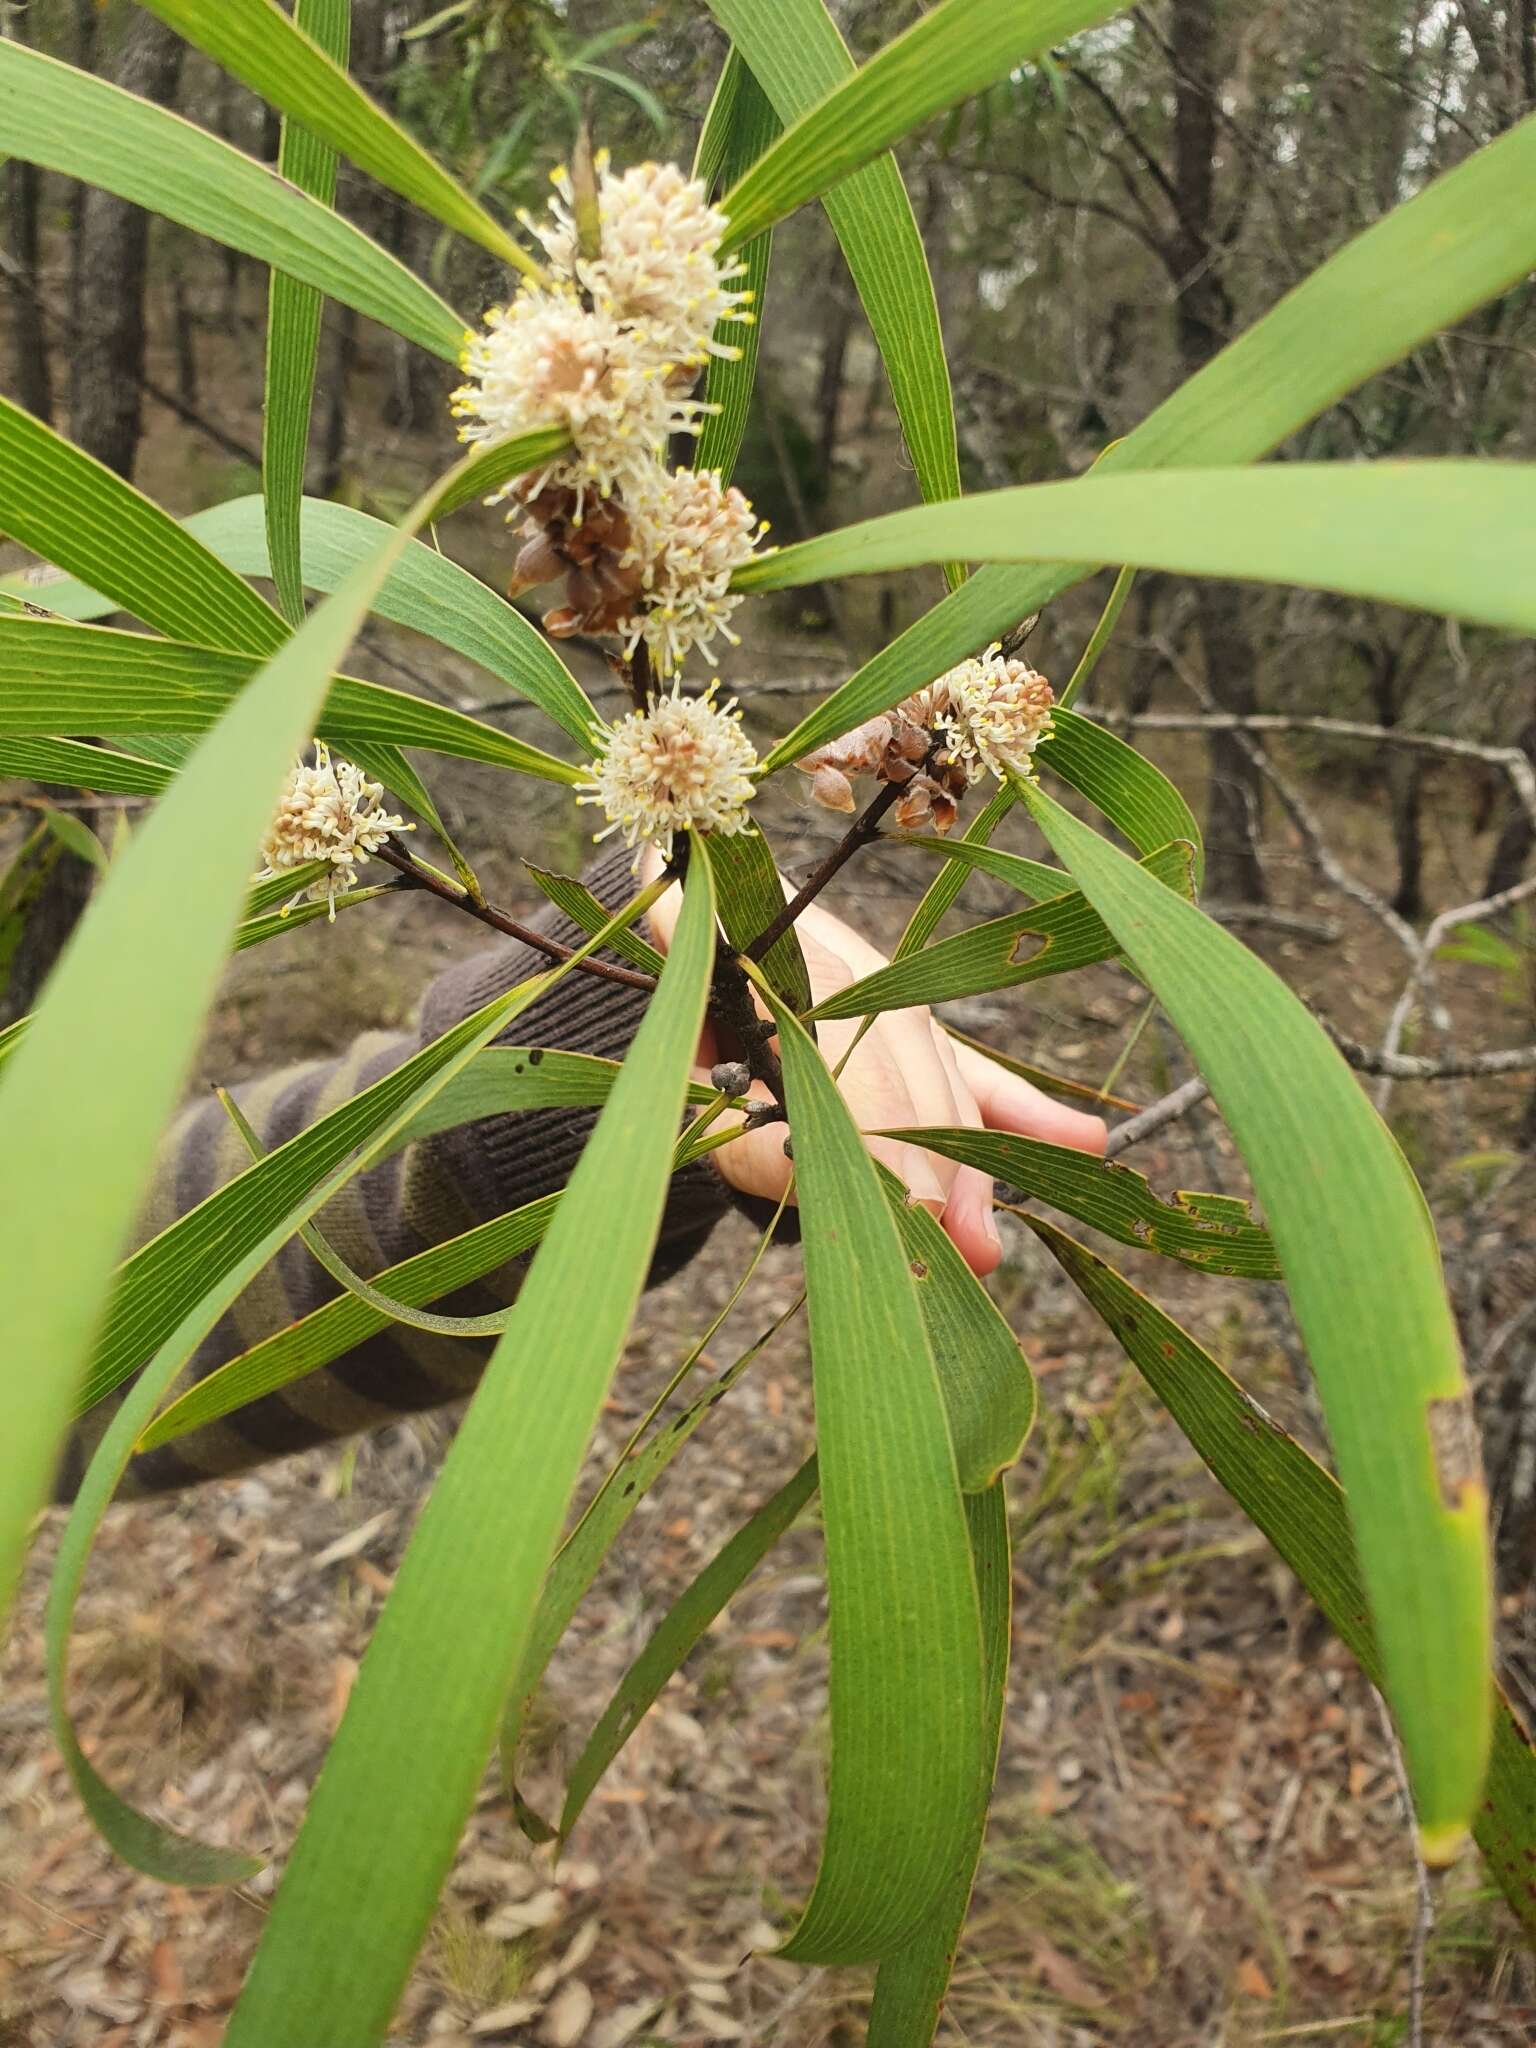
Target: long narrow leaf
[
  {"x": 424, "y": 591},
  {"x": 946, "y": 55},
  {"x": 402, "y": 1773},
  {"x": 256, "y": 41},
  {"x": 1214, "y": 1231},
  {"x": 910, "y": 1986},
  {"x": 678, "y": 1632},
  {"x": 1027, "y": 945},
  {"x": 71, "y": 1093},
  {"x": 1417, "y": 270},
  {"x": 739, "y": 126},
  {"x": 906, "y": 1684},
  {"x": 59, "y": 677},
  {"x": 1443, "y": 536},
  {"x": 1302, "y": 1512},
  {"x": 798, "y": 57},
  {"x": 293, "y": 327},
  {"x": 1360, "y": 1263},
  {"x": 67, "y": 121},
  {"x": 751, "y": 896},
  {"x": 82, "y": 767}
]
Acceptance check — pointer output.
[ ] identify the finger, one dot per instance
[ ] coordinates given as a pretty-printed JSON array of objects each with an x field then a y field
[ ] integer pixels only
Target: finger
[
  {"x": 968, "y": 1218},
  {"x": 910, "y": 1044},
  {"x": 1009, "y": 1103}
]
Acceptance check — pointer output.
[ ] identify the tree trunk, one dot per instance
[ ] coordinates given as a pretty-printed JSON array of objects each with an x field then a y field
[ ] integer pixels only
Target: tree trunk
[
  {"x": 1203, "y": 319},
  {"x": 29, "y": 340},
  {"x": 106, "y": 392}
]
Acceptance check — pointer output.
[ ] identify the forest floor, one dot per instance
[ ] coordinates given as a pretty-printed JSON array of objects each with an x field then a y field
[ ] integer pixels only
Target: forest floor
[{"x": 1197, "y": 1841}]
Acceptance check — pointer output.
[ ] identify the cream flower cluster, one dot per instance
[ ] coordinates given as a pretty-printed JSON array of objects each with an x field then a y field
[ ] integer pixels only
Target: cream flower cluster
[
  {"x": 683, "y": 763},
  {"x": 329, "y": 811},
  {"x": 993, "y": 711},
  {"x": 610, "y": 347},
  {"x": 692, "y": 532},
  {"x": 990, "y": 712}
]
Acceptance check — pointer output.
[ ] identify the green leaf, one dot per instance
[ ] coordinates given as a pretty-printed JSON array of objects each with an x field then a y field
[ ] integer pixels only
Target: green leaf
[
  {"x": 910, "y": 1985},
  {"x": 1418, "y": 270},
  {"x": 943, "y": 891},
  {"x": 579, "y": 1557},
  {"x": 1442, "y": 536},
  {"x": 1042, "y": 1077},
  {"x": 82, "y": 767},
  {"x": 67, "y": 121},
  {"x": 257, "y": 42},
  {"x": 389, "y": 766},
  {"x": 797, "y": 56},
  {"x": 1301, "y": 1510},
  {"x": 425, "y": 591},
  {"x": 1134, "y": 795},
  {"x": 678, "y": 1632},
  {"x": 737, "y": 129},
  {"x": 1026, "y": 945},
  {"x": 71, "y": 1092},
  {"x": 1032, "y": 878},
  {"x": 405, "y": 1765},
  {"x": 160, "y": 1851},
  {"x": 906, "y": 1681},
  {"x": 584, "y": 909},
  {"x": 1214, "y": 1231},
  {"x": 1359, "y": 1259},
  {"x": 946, "y": 55},
  {"x": 59, "y": 677},
  {"x": 751, "y": 897},
  {"x": 76, "y": 837},
  {"x": 984, "y": 1377},
  {"x": 499, "y": 460},
  {"x": 71, "y": 509},
  {"x": 293, "y": 326}
]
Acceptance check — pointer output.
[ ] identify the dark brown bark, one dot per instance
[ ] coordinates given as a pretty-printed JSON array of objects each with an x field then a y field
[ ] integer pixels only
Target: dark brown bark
[
  {"x": 106, "y": 391},
  {"x": 29, "y": 343}
]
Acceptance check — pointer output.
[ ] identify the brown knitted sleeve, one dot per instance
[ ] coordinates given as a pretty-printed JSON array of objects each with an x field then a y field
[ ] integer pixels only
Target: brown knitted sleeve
[{"x": 425, "y": 1194}]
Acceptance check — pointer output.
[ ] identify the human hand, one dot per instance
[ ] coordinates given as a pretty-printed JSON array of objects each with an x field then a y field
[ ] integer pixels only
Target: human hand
[{"x": 906, "y": 1070}]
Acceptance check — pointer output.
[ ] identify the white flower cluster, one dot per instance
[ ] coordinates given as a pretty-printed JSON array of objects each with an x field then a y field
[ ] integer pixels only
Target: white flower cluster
[
  {"x": 683, "y": 762},
  {"x": 610, "y": 346},
  {"x": 990, "y": 712},
  {"x": 328, "y": 811},
  {"x": 993, "y": 711}
]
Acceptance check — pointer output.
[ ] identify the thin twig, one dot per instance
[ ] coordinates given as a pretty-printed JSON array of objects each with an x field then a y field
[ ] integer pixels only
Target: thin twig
[
  {"x": 1400, "y": 1066},
  {"x": 418, "y": 877},
  {"x": 865, "y": 827},
  {"x": 1165, "y": 1111}
]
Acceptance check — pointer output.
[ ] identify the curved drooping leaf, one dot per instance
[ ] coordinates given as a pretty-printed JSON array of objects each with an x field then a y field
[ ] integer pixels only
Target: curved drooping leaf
[
  {"x": 1300, "y": 1509},
  {"x": 258, "y": 43},
  {"x": 910, "y": 1985},
  {"x": 402, "y": 1773},
  {"x": 584, "y": 909},
  {"x": 906, "y": 1687},
  {"x": 56, "y": 676},
  {"x": 160, "y": 1851},
  {"x": 81, "y": 766},
  {"x": 1216, "y": 1232},
  {"x": 798, "y": 57},
  {"x": 68, "y": 121},
  {"x": 73, "y": 511},
  {"x": 948, "y": 54},
  {"x": 71, "y": 1092},
  {"x": 1363, "y": 1273},
  {"x": 943, "y": 891},
  {"x": 425, "y": 591},
  {"x": 984, "y": 1377},
  {"x": 1026, "y": 945},
  {"x": 737, "y": 129},
  {"x": 1128, "y": 789},
  {"x": 1443, "y": 535},
  {"x": 1415, "y": 271},
  {"x": 293, "y": 326},
  {"x": 678, "y": 1632}
]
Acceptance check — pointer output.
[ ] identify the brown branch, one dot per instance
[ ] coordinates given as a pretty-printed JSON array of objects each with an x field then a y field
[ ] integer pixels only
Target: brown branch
[
  {"x": 1400, "y": 1066},
  {"x": 865, "y": 827},
  {"x": 418, "y": 877}
]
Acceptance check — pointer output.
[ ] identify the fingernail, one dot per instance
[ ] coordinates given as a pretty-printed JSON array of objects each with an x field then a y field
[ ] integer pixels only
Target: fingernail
[{"x": 989, "y": 1226}]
